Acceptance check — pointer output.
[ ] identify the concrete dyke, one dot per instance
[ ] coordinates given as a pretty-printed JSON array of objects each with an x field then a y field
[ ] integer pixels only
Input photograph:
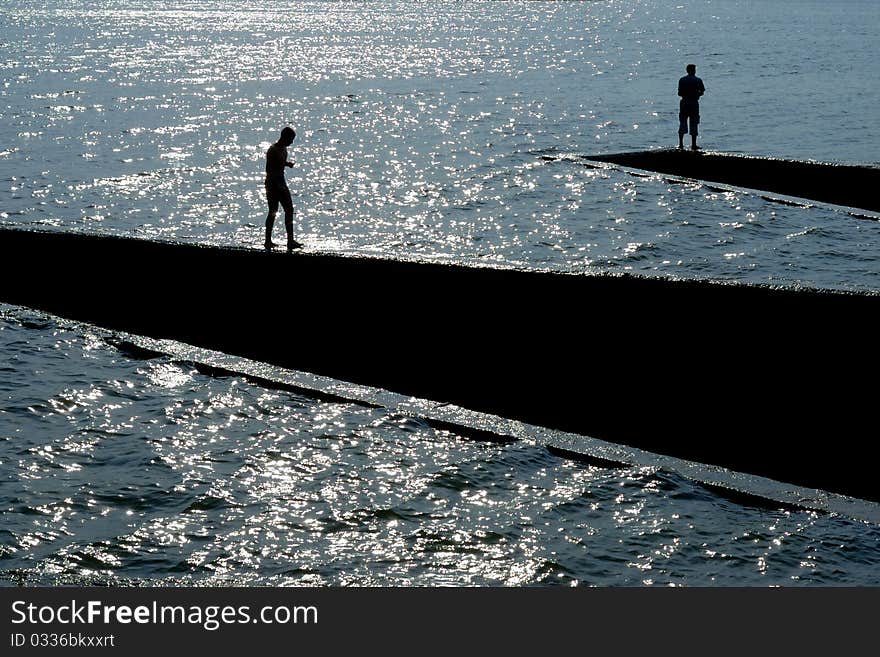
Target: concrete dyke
[
  {"x": 767, "y": 381},
  {"x": 841, "y": 184}
]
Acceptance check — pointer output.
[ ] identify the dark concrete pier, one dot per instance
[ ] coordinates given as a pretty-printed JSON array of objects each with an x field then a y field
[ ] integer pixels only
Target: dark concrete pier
[
  {"x": 847, "y": 185},
  {"x": 772, "y": 382}
]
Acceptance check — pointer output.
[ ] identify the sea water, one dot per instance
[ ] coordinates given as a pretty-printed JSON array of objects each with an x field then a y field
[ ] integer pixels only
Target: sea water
[{"x": 438, "y": 131}]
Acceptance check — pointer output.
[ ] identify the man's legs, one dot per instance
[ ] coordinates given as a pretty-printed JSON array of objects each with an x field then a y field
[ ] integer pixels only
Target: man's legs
[
  {"x": 688, "y": 118},
  {"x": 288, "y": 226},
  {"x": 287, "y": 204},
  {"x": 270, "y": 219}
]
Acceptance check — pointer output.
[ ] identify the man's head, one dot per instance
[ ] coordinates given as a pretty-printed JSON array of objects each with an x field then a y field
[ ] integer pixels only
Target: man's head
[
  {"x": 288, "y": 134},
  {"x": 691, "y": 69}
]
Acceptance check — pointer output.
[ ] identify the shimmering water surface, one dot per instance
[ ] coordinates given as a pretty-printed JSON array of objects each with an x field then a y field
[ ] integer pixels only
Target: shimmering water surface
[
  {"x": 124, "y": 470},
  {"x": 422, "y": 126},
  {"x": 424, "y": 131}
]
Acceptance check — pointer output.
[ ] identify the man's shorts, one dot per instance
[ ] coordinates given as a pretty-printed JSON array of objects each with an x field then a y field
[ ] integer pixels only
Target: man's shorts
[
  {"x": 278, "y": 194},
  {"x": 689, "y": 111}
]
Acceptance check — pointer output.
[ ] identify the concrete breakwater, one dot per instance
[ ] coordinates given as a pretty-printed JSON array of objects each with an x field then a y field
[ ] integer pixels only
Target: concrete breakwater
[
  {"x": 848, "y": 185},
  {"x": 768, "y": 381}
]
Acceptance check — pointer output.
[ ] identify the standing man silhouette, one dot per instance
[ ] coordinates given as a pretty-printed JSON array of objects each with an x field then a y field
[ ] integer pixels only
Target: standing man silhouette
[
  {"x": 690, "y": 88},
  {"x": 277, "y": 191}
]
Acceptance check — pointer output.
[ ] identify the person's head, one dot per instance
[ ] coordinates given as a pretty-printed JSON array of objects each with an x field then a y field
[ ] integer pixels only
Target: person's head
[
  {"x": 288, "y": 134},
  {"x": 691, "y": 69}
]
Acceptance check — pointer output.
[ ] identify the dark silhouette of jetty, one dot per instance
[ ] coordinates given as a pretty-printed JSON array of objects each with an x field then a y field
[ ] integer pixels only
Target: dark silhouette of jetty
[
  {"x": 842, "y": 184},
  {"x": 767, "y": 381}
]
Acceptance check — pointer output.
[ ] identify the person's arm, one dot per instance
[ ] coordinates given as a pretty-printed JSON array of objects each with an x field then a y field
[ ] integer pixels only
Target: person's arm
[
  {"x": 701, "y": 88},
  {"x": 680, "y": 89}
]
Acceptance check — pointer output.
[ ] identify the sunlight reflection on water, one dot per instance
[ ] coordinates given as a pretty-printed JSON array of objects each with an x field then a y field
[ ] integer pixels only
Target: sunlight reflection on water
[
  {"x": 138, "y": 471},
  {"x": 422, "y": 129},
  {"x": 422, "y": 133}
]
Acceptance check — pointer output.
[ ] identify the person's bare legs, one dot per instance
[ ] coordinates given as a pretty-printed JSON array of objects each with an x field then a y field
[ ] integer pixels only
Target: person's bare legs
[
  {"x": 288, "y": 226},
  {"x": 270, "y": 223},
  {"x": 287, "y": 204}
]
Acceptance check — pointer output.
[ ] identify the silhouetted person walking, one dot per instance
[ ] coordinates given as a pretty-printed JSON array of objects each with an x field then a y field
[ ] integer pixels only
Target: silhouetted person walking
[
  {"x": 277, "y": 191},
  {"x": 690, "y": 88}
]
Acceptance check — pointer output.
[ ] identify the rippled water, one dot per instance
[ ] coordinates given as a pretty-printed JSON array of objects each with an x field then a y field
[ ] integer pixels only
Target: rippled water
[
  {"x": 423, "y": 132},
  {"x": 117, "y": 470},
  {"x": 422, "y": 127}
]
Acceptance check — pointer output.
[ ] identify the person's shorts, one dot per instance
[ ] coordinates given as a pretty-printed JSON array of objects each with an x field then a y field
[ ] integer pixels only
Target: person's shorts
[
  {"x": 278, "y": 195},
  {"x": 688, "y": 113}
]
